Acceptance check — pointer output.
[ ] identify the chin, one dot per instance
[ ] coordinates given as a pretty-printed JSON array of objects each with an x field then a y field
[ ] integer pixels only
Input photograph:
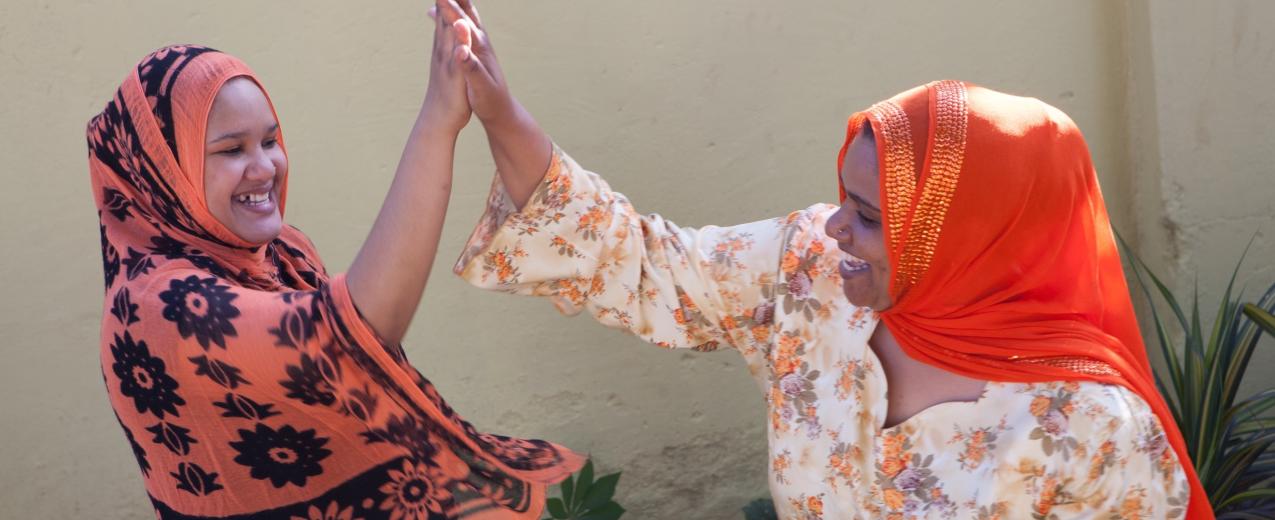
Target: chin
[
  {"x": 856, "y": 299},
  {"x": 869, "y": 299},
  {"x": 260, "y": 235}
]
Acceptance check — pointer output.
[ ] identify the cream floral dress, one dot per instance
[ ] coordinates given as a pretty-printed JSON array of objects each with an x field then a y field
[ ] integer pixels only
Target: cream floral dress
[{"x": 770, "y": 290}]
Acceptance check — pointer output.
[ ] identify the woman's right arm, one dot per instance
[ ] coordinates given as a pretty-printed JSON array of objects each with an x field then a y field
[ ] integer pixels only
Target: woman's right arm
[
  {"x": 387, "y": 278},
  {"x": 554, "y": 229},
  {"x": 584, "y": 246}
]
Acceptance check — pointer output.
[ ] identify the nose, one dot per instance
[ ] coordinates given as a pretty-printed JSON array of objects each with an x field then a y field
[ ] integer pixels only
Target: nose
[
  {"x": 838, "y": 226},
  {"x": 262, "y": 167}
]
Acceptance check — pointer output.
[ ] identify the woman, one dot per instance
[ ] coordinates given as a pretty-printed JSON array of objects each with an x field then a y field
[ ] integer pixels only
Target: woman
[
  {"x": 971, "y": 257},
  {"x": 249, "y": 382}
]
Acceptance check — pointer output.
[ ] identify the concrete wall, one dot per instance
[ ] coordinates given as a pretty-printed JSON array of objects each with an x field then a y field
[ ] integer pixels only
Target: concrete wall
[
  {"x": 1201, "y": 121},
  {"x": 707, "y": 112}
]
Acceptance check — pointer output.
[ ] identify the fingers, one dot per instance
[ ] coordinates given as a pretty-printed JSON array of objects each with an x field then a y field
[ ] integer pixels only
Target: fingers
[
  {"x": 475, "y": 70},
  {"x": 438, "y": 29},
  {"x": 471, "y": 11},
  {"x": 448, "y": 11},
  {"x": 443, "y": 41},
  {"x": 479, "y": 42},
  {"x": 469, "y": 48},
  {"x": 464, "y": 32}
]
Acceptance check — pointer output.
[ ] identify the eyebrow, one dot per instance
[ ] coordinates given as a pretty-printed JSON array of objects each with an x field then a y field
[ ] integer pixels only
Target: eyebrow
[
  {"x": 240, "y": 133},
  {"x": 859, "y": 200}
]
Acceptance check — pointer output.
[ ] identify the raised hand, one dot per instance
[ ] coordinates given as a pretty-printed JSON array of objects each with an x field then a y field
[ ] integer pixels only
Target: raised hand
[
  {"x": 487, "y": 91},
  {"x": 390, "y": 272},
  {"x": 519, "y": 147},
  {"x": 446, "y": 102}
]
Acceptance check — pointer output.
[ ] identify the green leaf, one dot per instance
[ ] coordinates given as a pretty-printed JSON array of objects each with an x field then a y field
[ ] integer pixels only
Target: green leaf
[
  {"x": 584, "y": 480},
  {"x": 761, "y": 509},
  {"x": 1264, "y": 319},
  {"x": 1252, "y": 494},
  {"x": 601, "y": 492},
  {"x": 568, "y": 487},
  {"x": 556, "y": 509},
  {"x": 1170, "y": 354},
  {"x": 1231, "y": 441},
  {"x": 610, "y": 511}
]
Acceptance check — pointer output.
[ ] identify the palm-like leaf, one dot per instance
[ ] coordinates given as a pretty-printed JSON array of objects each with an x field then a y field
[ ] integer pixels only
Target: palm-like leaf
[
  {"x": 583, "y": 498},
  {"x": 1229, "y": 439}
]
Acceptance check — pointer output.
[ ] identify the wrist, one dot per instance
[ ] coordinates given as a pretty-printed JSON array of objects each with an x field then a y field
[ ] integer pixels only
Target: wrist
[
  {"x": 510, "y": 118},
  {"x": 437, "y": 128}
]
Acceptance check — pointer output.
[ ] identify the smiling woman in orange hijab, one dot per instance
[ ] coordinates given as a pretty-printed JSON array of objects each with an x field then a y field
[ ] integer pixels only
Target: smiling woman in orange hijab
[
  {"x": 249, "y": 382},
  {"x": 954, "y": 340}
]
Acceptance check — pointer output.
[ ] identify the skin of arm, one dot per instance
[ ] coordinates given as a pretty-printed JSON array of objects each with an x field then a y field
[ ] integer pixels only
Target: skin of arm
[
  {"x": 390, "y": 272},
  {"x": 519, "y": 147}
]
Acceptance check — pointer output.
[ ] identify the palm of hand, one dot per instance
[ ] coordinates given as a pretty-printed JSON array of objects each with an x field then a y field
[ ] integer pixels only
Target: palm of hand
[
  {"x": 446, "y": 99},
  {"x": 485, "y": 88}
]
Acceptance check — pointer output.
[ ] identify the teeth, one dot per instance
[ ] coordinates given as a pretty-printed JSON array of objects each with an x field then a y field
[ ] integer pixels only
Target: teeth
[
  {"x": 854, "y": 265},
  {"x": 254, "y": 198}
]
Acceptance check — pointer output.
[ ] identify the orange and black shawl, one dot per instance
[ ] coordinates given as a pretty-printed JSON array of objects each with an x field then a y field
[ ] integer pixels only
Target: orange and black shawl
[{"x": 246, "y": 382}]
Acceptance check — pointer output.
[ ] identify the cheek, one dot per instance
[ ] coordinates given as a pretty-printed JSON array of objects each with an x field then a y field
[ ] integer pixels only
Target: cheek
[
  {"x": 220, "y": 179},
  {"x": 870, "y": 242},
  {"x": 280, "y": 161}
]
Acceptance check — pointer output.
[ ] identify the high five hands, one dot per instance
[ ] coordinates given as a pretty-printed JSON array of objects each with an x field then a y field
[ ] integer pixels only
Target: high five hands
[
  {"x": 519, "y": 147},
  {"x": 463, "y": 36}
]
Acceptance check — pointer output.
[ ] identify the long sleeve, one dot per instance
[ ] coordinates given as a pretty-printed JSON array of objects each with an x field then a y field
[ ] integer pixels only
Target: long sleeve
[
  {"x": 585, "y": 247},
  {"x": 1123, "y": 469}
]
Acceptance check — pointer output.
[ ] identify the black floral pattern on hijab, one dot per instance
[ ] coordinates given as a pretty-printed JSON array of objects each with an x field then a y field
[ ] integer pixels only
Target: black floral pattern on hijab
[
  {"x": 202, "y": 307},
  {"x": 285, "y": 456},
  {"x": 110, "y": 260},
  {"x": 142, "y": 377},
  {"x": 166, "y": 63}
]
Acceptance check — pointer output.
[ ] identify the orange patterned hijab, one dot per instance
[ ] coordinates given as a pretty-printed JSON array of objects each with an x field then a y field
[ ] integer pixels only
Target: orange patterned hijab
[
  {"x": 1003, "y": 263},
  {"x": 246, "y": 382}
]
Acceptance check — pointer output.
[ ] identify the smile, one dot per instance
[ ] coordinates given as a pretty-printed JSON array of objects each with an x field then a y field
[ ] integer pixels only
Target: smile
[
  {"x": 852, "y": 266},
  {"x": 261, "y": 202},
  {"x": 253, "y": 198}
]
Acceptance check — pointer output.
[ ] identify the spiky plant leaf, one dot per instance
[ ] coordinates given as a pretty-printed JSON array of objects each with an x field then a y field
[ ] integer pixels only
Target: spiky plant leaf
[{"x": 1229, "y": 439}]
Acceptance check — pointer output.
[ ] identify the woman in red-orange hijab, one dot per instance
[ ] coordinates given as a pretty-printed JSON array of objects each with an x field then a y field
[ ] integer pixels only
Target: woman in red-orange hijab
[
  {"x": 249, "y": 382},
  {"x": 969, "y": 270}
]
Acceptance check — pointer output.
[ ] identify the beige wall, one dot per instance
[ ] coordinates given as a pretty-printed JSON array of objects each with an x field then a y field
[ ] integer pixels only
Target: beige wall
[
  {"x": 707, "y": 112},
  {"x": 1202, "y": 157}
]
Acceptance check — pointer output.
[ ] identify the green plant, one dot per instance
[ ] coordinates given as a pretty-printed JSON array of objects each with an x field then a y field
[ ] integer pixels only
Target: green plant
[
  {"x": 1229, "y": 439},
  {"x": 582, "y": 498},
  {"x": 761, "y": 509}
]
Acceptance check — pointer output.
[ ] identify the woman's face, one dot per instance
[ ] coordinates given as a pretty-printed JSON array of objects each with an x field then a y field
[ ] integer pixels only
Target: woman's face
[
  {"x": 244, "y": 166},
  {"x": 856, "y": 226}
]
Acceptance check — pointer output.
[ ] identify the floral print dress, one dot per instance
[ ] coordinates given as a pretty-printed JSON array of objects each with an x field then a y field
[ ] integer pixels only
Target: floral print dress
[{"x": 770, "y": 291}]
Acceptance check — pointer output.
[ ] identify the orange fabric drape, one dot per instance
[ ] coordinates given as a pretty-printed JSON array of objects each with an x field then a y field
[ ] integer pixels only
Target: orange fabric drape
[
  {"x": 1003, "y": 263},
  {"x": 246, "y": 382}
]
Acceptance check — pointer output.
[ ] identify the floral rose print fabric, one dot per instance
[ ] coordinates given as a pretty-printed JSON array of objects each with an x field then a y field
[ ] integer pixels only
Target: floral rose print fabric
[{"x": 770, "y": 291}]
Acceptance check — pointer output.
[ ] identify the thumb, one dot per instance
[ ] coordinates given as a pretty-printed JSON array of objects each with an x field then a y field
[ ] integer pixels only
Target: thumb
[{"x": 476, "y": 72}]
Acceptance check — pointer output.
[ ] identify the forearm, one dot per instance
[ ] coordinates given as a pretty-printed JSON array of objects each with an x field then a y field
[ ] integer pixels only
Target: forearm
[
  {"x": 521, "y": 151},
  {"x": 390, "y": 272}
]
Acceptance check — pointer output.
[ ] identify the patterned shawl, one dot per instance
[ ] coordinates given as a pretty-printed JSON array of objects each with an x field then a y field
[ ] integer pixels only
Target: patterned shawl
[
  {"x": 1003, "y": 263},
  {"x": 246, "y": 382}
]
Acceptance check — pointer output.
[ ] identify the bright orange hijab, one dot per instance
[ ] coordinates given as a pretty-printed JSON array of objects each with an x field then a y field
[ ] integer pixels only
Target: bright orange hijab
[
  {"x": 245, "y": 381},
  {"x": 1003, "y": 263}
]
